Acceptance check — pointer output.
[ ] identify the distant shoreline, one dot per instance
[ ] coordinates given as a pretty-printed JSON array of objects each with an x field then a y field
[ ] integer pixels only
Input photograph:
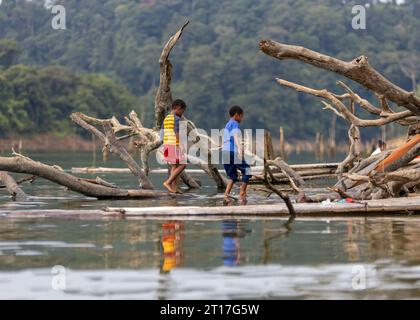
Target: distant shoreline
[
  {"x": 51, "y": 142},
  {"x": 46, "y": 142}
]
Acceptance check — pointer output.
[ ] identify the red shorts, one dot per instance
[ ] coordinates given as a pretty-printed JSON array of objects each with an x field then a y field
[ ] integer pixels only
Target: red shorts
[{"x": 173, "y": 154}]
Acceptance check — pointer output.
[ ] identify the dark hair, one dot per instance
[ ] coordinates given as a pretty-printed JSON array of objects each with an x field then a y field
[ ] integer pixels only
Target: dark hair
[
  {"x": 235, "y": 110},
  {"x": 179, "y": 103}
]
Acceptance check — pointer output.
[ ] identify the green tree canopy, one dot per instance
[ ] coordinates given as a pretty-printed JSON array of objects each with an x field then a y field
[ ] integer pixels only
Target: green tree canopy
[
  {"x": 41, "y": 99},
  {"x": 217, "y": 63}
]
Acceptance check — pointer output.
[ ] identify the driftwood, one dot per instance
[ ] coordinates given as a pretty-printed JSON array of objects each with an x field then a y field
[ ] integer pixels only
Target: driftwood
[
  {"x": 358, "y": 70},
  {"x": 383, "y": 207},
  {"x": 163, "y": 103},
  {"x": 341, "y": 110},
  {"x": 391, "y": 174},
  {"x": 29, "y": 179},
  {"x": 12, "y": 187},
  {"x": 97, "y": 189},
  {"x": 163, "y": 99},
  {"x": 295, "y": 178},
  {"x": 354, "y": 151},
  {"x": 388, "y": 175},
  {"x": 370, "y": 207},
  {"x": 111, "y": 143},
  {"x": 302, "y": 169},
  {"x": 281, "y": 194}
]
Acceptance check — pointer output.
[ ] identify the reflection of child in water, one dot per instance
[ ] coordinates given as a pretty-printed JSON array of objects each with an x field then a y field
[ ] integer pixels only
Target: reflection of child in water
[
  {"x": 231, "y": 248},
  {"x": 171, "y": 245}
]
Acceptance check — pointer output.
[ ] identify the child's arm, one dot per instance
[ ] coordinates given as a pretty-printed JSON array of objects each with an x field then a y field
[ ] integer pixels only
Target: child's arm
[
  {"x": 181, "y": 146},
  {"x": 177, "y": 130},
  {"x": 238, "y": 144}
]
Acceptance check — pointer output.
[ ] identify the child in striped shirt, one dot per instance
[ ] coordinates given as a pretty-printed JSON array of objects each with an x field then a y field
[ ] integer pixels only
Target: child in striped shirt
[{"x": 174, "y": 153}]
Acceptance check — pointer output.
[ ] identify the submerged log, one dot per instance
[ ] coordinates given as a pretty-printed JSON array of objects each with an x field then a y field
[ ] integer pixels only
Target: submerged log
[
  {"x": 12, "y": 187},
  {"x": 371, "y": 207},
  {"x": 384, "y": 207}
]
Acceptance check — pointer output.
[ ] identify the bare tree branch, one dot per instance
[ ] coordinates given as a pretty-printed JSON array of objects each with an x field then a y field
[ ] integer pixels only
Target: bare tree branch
[
  {"x": 358, "y": 70},
  {"x": 112, "y": 144},
  {"x": 163, "y": 99},
  {"x": 342, "y": 110}
]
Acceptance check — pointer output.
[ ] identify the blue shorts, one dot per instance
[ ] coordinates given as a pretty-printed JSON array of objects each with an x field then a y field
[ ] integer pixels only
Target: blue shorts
[{"x": 232, "y": 164}]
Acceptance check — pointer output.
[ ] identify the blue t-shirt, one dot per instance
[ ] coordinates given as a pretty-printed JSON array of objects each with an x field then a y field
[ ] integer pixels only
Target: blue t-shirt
[{"x": 232, "y": 128}]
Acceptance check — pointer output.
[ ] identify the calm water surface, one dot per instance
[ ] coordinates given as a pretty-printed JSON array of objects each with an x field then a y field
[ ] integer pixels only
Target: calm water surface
[{"x": 377, "y": 258}]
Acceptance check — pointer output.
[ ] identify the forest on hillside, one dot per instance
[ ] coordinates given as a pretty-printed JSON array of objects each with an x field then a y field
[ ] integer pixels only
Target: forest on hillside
[
  {"x": 46, "y": 74},
  {"x": 39, "y": 100}
]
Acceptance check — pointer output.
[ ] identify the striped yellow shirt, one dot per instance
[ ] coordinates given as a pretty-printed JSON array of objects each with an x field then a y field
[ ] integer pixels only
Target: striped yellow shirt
[{"x": 170, "y": 128}]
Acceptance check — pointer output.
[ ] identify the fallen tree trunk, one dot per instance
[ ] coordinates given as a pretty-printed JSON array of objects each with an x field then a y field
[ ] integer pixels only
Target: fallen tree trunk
[
  {"x": 387, "y": 207},
  {"x": 379, "y": 177},
  {"x": 401, "y": 156},
  {"x": 20, "y": 164},
  {"x": 12, "y": 187}
]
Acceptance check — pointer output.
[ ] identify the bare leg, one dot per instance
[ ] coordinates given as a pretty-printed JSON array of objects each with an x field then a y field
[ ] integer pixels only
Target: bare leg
[
  {"x": 242, "y": 193},
  {"x": 166, "y": 183},
  {"x": 229, "y": 187},
  {"x": 176, "y": 171},
  {"x": 175, "y": 186},
  {"x": 174, "y": 183}
]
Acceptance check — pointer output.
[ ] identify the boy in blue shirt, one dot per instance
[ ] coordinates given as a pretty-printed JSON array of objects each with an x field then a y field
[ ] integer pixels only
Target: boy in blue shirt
[{"x": 232, "y": 153}]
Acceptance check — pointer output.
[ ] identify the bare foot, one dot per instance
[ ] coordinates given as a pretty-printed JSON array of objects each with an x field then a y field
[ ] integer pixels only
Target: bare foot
[
  {"x": 228, "y": 196},
  {"x": 178, "y": 190},
  {"x": 227, "y": 201},
  {"x": 167, "y": 186},
  {"x": 242, "y": 196}
]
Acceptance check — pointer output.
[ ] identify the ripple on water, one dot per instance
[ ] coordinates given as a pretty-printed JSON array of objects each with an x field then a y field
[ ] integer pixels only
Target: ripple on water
[
  {"x": 258, "y": 282},
  {"x": 49, "y": 244},
  {"x": 29, "y": 253}
]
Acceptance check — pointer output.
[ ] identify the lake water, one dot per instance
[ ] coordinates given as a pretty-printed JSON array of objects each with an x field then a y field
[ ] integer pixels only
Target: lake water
[{"x": 138, "y": 258}]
